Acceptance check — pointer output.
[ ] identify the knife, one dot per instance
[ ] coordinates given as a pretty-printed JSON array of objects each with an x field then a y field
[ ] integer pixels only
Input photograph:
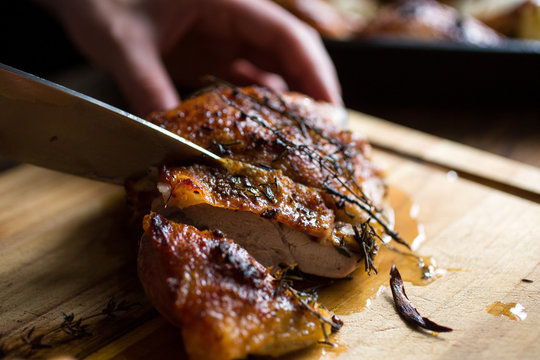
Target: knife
[{"x": 49, "y": 125}]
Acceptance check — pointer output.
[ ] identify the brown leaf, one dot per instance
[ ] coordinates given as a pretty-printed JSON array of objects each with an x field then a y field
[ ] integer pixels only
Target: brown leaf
[{"x": 406, "y": 309}]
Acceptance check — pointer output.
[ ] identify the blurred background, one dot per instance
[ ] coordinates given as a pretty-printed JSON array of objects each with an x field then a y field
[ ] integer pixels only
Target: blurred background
[{"x": 465, "y": 70}]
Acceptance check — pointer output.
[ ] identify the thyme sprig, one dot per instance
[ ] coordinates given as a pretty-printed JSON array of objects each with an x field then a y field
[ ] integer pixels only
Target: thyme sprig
[
  {"x": 303, "y": 124},
  {"x": 301, "y": 298},
  {"x": 242, "y": 184},
  {"x": 75, "y": 328},
  {"x": 114, "y": 307},
  {"x": 282, "y": 275},
  {"x": 362, "y": 206},
  {"x": 223, "y": 148},
  {"x": 365, "y": 237},
  {"x": 306, "y": 299},
  {"x": 325, "y": 161},
  {"x": 35, "y": 342}
]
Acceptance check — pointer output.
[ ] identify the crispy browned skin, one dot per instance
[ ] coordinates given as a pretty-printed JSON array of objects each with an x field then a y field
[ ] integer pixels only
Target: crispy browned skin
[
  {"x": 291, "y": 133},
  {"x": 431, "y": 21},
  {"x": 279, "y": 221},
  {"x": 225, "y": 302},
  {"x": 325, "y": 17},
  {"x": 247, "y": 188}
]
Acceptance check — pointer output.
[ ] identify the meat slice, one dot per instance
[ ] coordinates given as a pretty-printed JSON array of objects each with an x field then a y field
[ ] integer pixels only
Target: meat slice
[
  {"x": 226, "y": 304},
  {"x": 277, "y": 220},
  {"x": 287, "y": 132},
  {"x": 242, "y": 187},
  {"x": 326, "y": 173}
]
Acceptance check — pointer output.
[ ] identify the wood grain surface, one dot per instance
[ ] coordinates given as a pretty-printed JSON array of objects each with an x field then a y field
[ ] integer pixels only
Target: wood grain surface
[
  {"x": 483, "y": 167},
  {"x": 68, "y": 246},
  {"x": 505, "y": 129}
]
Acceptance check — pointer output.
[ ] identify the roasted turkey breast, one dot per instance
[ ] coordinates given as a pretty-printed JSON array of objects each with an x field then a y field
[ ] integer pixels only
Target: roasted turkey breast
[
  {"x": 292, "y": 188},
  {"x": 288, "y": 132},
  {"x": 296, "y": 188},
  {"x": 226, "y": 304},
  {"x": 279, "y": 221}
]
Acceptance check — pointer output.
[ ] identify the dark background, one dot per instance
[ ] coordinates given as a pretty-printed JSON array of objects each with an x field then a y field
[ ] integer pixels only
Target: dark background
[{"x": 33, "y": 41}]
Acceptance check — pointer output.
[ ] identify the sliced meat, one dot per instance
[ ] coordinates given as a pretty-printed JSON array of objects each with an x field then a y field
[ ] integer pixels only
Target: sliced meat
[
  {"x": 277, "y": 220},
  {"x": 242, "y": 187},
  {"x": 324, "y": 174},
  {"x": 226, "y": 303},
  {"x": 288, "y": 132}
]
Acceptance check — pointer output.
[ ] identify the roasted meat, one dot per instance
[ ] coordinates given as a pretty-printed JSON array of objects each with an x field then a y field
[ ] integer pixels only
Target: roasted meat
[
  {"x": 289, "y": 132},
  {"x": 292, "y": 189},
  {"x": 268, "y": 194},
  {"x": 277, "y": 220},
  {"x": 333, "y": 19},
  {"x": 514, "y": 18},
  {"x": 226, "y": 303},
  {"x": 295, "y": 184},
  {"x": 429, "y": 20}
]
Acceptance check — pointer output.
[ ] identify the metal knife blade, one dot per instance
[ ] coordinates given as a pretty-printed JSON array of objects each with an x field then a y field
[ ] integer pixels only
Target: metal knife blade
[{"x": 46, "y": 124}]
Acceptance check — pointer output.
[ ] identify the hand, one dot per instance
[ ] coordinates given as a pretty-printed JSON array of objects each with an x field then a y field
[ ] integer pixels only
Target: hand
[{"x": 147, "y": 45}]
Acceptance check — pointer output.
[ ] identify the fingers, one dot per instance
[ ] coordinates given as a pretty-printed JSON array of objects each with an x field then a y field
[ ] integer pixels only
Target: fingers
[
  {"x": 311, "y": 59},
  {"x": 295, "y": 48},
  {"x": 122, "y": 41},
  {"x": 140, "y": 72},
  {"x": 144, "y": 79},
  {"x": 127, "y": 42},
  {"x": 244, "y": 72}
]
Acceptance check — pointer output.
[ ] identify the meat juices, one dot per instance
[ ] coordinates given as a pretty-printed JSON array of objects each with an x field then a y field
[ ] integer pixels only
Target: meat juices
[{"x": 294, "y": 189}]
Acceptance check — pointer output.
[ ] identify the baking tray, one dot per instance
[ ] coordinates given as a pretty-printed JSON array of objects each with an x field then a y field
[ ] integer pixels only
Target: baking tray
[{"x": 396, "y": 71}]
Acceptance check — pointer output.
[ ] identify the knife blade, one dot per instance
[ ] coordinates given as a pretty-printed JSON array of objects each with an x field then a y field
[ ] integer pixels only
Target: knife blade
[{"x": 49, "y": 125}]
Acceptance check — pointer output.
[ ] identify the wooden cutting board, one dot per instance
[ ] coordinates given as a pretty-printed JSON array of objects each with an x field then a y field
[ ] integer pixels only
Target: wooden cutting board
[{"x": 68, "y": 283}]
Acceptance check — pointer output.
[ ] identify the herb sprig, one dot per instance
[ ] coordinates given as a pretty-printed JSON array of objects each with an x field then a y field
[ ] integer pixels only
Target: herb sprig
[
  {"x": 343, "y": 176},
  {"x": 76, "y": 328},
  {"x": 307, "y": 299}
]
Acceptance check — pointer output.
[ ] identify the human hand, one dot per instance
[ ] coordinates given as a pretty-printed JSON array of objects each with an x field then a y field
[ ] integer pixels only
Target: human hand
[{"x": 147, "y": 45}]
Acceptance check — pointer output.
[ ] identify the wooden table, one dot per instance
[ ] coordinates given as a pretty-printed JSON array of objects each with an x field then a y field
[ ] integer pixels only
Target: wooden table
[
  {"x": 503, "y": 129},
  {"x": 68, "y": 247}
]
